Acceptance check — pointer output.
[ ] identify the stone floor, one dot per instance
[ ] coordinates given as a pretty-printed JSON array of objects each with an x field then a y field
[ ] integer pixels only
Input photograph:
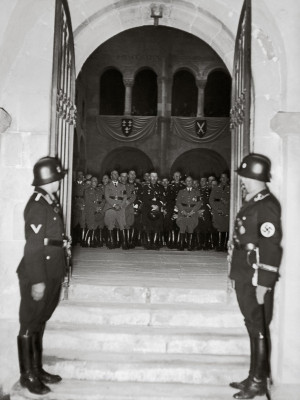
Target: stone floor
[{"x": 146, "y": 325}]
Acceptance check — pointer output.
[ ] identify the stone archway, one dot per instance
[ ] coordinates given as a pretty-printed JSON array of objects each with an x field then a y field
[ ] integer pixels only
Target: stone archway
[
  {"x": 200, "y": 162},
  {"x": 126, "y": 158}
]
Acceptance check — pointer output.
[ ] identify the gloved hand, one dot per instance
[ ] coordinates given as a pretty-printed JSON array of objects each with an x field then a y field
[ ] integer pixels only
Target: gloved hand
[
  {"x": 37, "y": 291},
  {"x": 260, "y": 294}
]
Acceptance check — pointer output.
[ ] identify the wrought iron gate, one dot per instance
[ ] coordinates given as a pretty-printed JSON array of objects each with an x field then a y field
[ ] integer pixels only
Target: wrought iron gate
[
  {"x": 63, "y": 109},
  {"x": 240, "y": 104}
]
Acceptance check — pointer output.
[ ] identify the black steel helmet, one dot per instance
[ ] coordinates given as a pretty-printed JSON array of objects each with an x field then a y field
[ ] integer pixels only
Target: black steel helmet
[
  {"x": 255, "y": 166},
  {"x": 47, "y": 170}
]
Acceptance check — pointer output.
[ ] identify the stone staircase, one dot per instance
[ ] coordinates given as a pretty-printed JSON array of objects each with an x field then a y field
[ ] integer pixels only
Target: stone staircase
[{"x": 164, "y": 342}]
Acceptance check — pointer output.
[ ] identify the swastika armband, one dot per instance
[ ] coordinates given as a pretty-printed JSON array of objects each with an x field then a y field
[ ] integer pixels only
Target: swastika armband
[{"x": 267, "y": 229}]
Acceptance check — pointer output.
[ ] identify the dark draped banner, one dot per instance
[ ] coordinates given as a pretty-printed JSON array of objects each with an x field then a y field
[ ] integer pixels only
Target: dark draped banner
[
  {"x": 187, "y": 128},
  {"x": 191, "y": 129},
  {"x": 111, "y": 126}
]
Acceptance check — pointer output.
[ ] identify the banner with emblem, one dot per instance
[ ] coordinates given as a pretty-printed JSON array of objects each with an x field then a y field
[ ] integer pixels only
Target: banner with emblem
[
  {"x": 200, "y": 130},
  {"x": 201, "y": 127},
  {"x": 127, "y": 125}
]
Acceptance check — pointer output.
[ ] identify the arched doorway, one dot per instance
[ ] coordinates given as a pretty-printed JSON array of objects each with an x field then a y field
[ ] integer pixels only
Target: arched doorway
[
  {"x": 184, "y": 94},
  {"x": 144, "y": 93},
  {"x": 200, "y": 162},
  {"x": 126, "y": 158},
  {"x": 112, "y": 92},
  {"x": 217, "y": 94}
]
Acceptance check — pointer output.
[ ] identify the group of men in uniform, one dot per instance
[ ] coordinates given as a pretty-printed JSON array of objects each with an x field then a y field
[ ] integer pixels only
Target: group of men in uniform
[{"x": 122, "y": 211}]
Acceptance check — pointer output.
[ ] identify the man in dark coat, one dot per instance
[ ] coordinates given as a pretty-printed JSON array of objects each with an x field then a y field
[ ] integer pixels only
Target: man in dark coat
[
  {"x": 41, "y": 272},
  {"x": 255, "y": 256},
  {"x": 152, "y": 199}
]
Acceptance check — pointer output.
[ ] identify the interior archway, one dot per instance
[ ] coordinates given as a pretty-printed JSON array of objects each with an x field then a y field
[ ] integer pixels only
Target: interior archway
[
  {"x": 112, "y": 92},
  {"x": 200, "y": 162},
  {"x": 144, "y": 93},
  {"x": 125, "y": 159},
  {"x": 184, "y": 94}
]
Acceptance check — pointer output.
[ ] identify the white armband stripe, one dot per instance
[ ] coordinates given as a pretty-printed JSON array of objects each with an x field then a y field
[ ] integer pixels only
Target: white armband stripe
[{"x": 267, "y": 267}]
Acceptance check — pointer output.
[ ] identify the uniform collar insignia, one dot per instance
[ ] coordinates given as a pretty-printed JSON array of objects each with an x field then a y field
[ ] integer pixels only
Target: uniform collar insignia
[
  {"x": 42, "y": 193},
  {"x": 261, "y": 195}
]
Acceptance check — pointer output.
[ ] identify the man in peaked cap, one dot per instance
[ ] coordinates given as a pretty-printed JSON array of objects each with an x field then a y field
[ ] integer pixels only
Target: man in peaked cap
[
  {"x": 255, "y": 256},
  {"x": 41, "y": 272}
]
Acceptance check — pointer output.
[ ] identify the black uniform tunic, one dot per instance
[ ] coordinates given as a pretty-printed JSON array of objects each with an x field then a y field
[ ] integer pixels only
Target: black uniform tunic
[
  {"x": 43, "y": 260},
  {"x": 256, "y": 257},
  {"x": 152, "y": 195}
]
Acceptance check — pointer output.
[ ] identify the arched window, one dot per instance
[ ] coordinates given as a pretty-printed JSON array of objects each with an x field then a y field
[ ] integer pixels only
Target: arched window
[
  {"x": 184, "y": 94},
  {"x": 217, "y": 94},
  {"x": 144, "y": 93},
  {"x": 112, "y": 93}
]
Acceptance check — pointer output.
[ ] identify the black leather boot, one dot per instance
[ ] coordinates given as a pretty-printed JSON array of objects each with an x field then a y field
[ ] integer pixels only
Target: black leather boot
[
  {"x": 124, "y": 239},
  {"x": 28, "y": 378},
  {"x": 241, "y": 385},
  {"x": 181, "y": 241},
  {"x": 219, "y": 245},
  {"x": 110, "y": 240},
  {"x": 128, "y": 237},
  {"x": 205, "y": 241},
  {"x": 147, "y": 244},
  {"x": 169, "y": 240},
  {"x": 93, "y": 240},
  {"x": 84, "y": 234},
  {"x": 156, "y": 241},
  {"x": 225, "y": 241},
  {"x": 118, "y": 239},
  {"x": 198, "y": 244},
  {"x": 161, "y": 239},
  {"x": 44, "y": 376},
  {"x": 99, "y": 238},
  {"x": 257, "y": 384},
  {"x": 132, "y": 241},
  {"x": 190, "y": 242}
]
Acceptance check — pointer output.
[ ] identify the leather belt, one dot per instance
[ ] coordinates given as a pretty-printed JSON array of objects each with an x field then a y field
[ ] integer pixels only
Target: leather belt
[
  {"x": 116, "y": 197},
  {"x": 56, "y": 243},
  {"x": 246, "y": 246},
  {"x": 188, "y": 205}
]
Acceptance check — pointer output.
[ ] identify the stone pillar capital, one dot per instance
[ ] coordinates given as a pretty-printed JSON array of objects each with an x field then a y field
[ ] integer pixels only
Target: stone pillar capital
[
  {"x": 201, "y": 83},
  {"x": 164, "y": 79},
  {"x": 128, "y": 82}
]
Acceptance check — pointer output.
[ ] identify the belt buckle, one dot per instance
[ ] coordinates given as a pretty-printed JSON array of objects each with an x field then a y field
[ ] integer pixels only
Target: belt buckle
[{"x": 116, "y": 197}]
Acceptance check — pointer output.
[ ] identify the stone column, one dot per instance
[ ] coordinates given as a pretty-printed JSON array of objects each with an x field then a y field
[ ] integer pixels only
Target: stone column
[
  {"x": 128, "y": 82},
  {"x": 200, "y": 106},
  {"x": 285, "y": 332},
  {"x": 164, "y": 111}
]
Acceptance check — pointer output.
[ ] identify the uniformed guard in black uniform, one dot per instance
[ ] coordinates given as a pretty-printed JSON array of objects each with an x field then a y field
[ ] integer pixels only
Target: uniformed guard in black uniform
[
  {"x": 152, "y": 199},
  {"x": 255, "y": 256},
  {"x": 41, "y": 272},
  {"x": 175, "y": 186}
]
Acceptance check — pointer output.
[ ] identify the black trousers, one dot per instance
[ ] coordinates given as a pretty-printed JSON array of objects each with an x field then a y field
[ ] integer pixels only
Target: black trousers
[
  {"x": 257, "y": 317},
  {"x": 34, "y": 314}
]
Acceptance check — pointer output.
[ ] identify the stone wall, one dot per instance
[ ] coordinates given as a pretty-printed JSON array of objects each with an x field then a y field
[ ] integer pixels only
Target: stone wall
[{"x": 26, "y": 46}]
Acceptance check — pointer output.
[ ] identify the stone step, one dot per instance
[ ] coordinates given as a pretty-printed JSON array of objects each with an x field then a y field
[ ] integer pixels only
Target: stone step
[
  {"x": 146, "y": 339},
  {"x": 104, "y": 390},
  {"x": 205, "y": 315},
  {"x": 159, "y": 368},
  {"x": 139, "y": 293}
]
